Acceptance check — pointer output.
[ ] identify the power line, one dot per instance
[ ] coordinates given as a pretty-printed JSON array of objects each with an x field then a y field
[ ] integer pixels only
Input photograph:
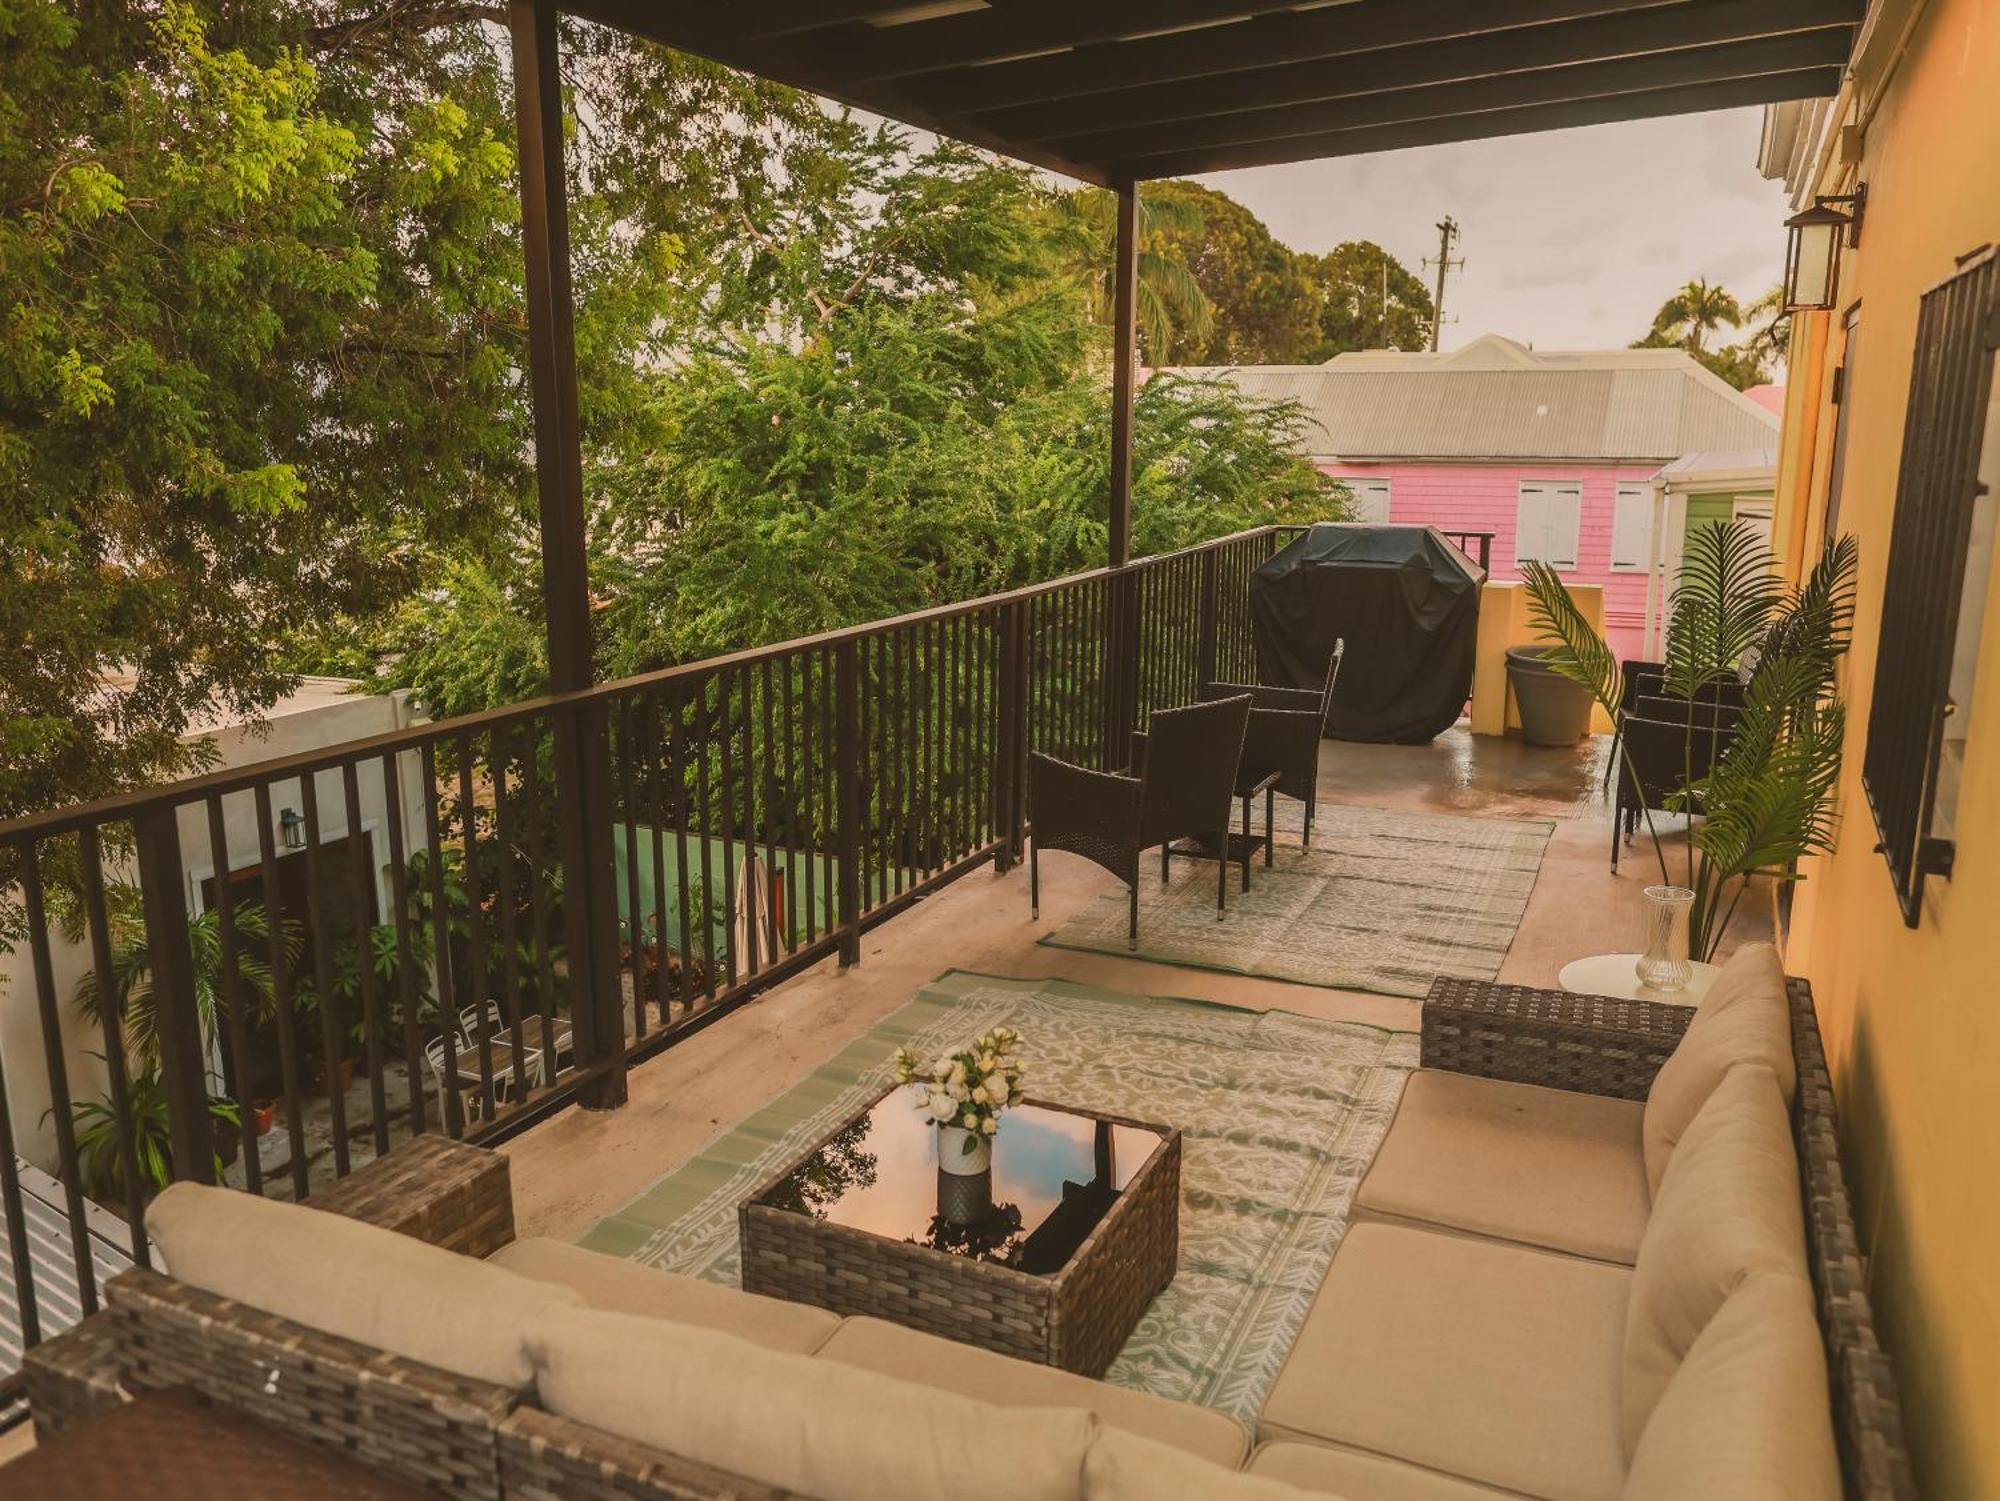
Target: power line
[{"x": 1447, "y": 237}]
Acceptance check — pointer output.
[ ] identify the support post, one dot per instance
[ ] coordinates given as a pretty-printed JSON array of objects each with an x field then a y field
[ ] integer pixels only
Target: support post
[
  {"x": 1124, "y": 369},
  {"x": 1206, "y": 649},
  {"x": 1008, "y": 743},
  {"x": 176, "y": 1018},
  {"x": 582, "y": 746}
]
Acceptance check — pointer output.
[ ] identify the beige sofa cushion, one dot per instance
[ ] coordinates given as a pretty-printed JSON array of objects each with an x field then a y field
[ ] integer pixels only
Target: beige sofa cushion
[
  {"x": 358, "y": 1281},
  {"x": 616, "y": 1285},
  {"x": 1321, "y": 1471},
  {"x": 1744, "y": 1018},
  {"x": 1543, "y": 1167},
  {"x": 1728, "y": 1207},
  {"x": 1746, "y": 1415},
  {"x": 1490, "y": 1362},
  {"x": 797, "y": 1422},
  {"x": 892, "y": 1350},
  {"x": 1124, "y": 1467}
]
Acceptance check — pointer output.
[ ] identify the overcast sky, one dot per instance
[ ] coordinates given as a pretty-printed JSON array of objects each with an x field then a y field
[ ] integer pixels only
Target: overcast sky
[{"x": 1571, "y": 238}]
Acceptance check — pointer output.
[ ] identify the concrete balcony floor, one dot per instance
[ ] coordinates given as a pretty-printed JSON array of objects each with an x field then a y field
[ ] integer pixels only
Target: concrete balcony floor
[{"x": 580, "y": 1165}]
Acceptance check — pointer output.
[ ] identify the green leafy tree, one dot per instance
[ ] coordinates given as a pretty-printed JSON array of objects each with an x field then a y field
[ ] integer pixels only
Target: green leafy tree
[
  {"x": 1266, "y": 310},
  {"x": 1172, "y": 309},
  {"x": 1367, "y": 300},
  {"x": 1699, "y": 311}
]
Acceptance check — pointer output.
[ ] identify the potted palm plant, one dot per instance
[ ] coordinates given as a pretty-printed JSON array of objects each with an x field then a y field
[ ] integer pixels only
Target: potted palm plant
[{"x": 1765, "y": 801}]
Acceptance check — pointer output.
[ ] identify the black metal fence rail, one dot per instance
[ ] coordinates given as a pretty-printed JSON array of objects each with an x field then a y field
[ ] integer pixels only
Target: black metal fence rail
[{"x": 485, "y": 919}]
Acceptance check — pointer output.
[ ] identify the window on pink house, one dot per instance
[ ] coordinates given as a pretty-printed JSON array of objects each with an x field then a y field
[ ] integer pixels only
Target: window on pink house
[{"x": 1549, "y": 520}]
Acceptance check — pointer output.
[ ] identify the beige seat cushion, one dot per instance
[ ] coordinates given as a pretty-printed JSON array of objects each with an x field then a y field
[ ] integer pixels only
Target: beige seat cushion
[
  {"x": 892, "y": 1350},
  {"x": 1322, "y": 1471},
  {"x": 1124, "y": 1467},
  {"x": 619, "y": 1286},
  {"x": 796, "y": 1422},
  {"x": 1746, "y": 1415},
  {"x": 1543, "y": 1167},
  {"x": 1728, "y": 1207},
  {"x": 1744, "y": 1018},
  {"x": 1490, "y": 1362},
  {"x": 358, "y": 1281}
]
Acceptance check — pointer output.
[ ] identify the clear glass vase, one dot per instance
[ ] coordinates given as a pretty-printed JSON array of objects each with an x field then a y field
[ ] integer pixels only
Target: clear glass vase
[{"x": 1664, "y": 967}]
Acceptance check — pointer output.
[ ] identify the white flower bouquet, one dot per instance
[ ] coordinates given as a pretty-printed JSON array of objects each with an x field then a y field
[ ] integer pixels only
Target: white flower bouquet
[{"x": 967, "y": 1089}]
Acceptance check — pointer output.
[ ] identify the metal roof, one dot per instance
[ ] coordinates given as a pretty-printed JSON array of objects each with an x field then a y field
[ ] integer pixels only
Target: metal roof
[
  {"x": 52, "y": 1264},
  {"x": 1496, "y": 399},
  {"x": 1119, "y": 90}
]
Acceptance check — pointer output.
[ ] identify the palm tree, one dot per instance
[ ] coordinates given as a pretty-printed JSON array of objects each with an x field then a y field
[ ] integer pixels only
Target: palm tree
[
  {"x": 1697, "y": 310},
  {"x": 1170, "y": 302},
  {"x": 1771, "y": 340},
  {"x": 132, "y": 976}
]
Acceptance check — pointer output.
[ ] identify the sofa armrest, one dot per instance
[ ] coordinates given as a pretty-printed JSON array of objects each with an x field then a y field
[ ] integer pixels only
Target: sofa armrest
[
  {"x": 73, "y": 1376},
  {"x": 443, "y": 1192},
  {"x": 1589, "y": 1043},
  {"x": 544, "y": 1455}
]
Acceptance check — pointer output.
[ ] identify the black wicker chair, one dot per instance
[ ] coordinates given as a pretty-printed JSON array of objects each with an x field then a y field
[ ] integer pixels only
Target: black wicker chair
[
  {"x": 1181, "y": 791},
  {"x": 1281, "y": 748},
  {"x": 1663, "y": 744}
]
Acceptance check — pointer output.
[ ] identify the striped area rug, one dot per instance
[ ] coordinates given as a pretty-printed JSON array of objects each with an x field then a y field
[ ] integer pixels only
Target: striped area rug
[
  {"x": 1280, "y": 1115},
  {"x": 1384, "y": 901}
]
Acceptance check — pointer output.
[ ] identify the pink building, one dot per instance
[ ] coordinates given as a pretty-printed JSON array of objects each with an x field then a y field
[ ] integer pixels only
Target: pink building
[{"x": 1554, "y": 453}]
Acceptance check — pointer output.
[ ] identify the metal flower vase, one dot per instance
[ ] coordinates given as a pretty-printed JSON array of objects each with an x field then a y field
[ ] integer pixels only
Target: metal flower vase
[{"x": 1665, "y": 967}]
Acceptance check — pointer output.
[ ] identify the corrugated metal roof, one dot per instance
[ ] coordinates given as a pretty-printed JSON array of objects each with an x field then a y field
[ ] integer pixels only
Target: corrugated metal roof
[
  {"x": 52, "y": 1266},
  {"x": 1496, "y": 399}
]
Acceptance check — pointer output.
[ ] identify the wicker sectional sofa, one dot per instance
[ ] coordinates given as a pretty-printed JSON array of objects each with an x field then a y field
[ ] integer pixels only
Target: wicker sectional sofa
[{"x": 1469, "y": 1341}]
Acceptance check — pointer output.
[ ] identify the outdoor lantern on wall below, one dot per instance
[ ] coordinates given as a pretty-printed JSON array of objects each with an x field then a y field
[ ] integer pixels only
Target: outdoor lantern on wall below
[
  {"x": 292, "y": 828},
  {"x": 1812, "y": 259}
]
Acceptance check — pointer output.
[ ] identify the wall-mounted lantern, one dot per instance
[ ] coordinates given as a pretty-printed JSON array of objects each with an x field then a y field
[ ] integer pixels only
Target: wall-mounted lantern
[
  {"x": 292, "y": 828},
  {"x": 1812, "y": 259}
]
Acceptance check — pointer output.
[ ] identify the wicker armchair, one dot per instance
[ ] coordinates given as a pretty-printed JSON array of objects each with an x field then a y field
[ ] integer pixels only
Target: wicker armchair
[
  {"x": 1599, "y": 1045},
  {"x": 1281, "y": 748},
  {"x": 1663, "y": 755},
  {"x": 1181, "y": 792}
]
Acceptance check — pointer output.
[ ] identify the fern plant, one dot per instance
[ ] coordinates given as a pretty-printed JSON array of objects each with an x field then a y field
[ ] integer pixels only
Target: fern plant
[{"x": 1768, "y": 800}]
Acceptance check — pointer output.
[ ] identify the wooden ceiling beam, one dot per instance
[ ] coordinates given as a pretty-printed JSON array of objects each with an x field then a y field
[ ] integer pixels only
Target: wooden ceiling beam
[
  {"x": 1597, "y": 39},
  {"x": 1770, "y": 88},
  {"x": 1262, "y": 42},
  {"x": 1676, "y": 69}
]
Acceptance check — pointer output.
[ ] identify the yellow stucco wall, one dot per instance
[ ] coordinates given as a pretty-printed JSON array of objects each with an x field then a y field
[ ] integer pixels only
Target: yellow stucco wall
[
  {"x": 1504, "y": 621},
  {"x": 1912, "y": 1016}
]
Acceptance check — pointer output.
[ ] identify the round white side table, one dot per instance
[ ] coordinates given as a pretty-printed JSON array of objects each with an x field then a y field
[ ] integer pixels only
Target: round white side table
[{"x": 1617, "y": 975}]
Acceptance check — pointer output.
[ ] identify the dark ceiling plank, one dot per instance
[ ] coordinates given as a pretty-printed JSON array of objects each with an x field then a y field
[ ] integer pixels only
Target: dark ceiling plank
[
  {"x": 1597, "y": 39},
  {"x": 1737, "y": 93},
  {"x": 1266, "y": 41},
  {"x": 1011, "y": 28},
  {"x": 774, "y": 18},
  {"x": 689, "y": 33},
  {"x": 1675, "y": 69}
]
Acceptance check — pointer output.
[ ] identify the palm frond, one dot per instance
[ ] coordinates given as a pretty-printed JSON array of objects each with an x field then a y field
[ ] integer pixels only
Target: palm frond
[
  {"x": 1581, "y": 655},
  {"x": 1723, "y": 603}
]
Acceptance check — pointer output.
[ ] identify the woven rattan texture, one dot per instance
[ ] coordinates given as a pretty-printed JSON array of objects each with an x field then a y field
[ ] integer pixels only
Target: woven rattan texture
[
  {"x": 1077, "y": 1318},
  {"x": 1588, "y": 1043},
  {"x": 441, "y": 1191},
  {"x": 547, "y": 1458}
]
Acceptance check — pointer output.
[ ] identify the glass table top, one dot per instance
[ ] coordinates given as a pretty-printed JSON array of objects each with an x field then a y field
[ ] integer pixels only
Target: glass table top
[{"x": 1055, "y": 1175}]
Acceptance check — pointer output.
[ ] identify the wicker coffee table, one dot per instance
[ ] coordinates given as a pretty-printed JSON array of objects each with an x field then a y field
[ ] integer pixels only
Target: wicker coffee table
[{"x": 1052, "y": 1256}]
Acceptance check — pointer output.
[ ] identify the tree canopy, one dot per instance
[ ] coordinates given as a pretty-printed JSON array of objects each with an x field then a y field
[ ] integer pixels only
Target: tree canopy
[
  {"x": 263, "y": 406},
  {"x": 1701, "y": 309}
]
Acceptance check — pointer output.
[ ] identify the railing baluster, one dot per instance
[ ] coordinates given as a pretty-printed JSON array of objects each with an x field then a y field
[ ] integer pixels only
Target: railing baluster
[
  {"x": 52, "y": 1053},
  {"x": 452, "y": 1104},
  {"x": 627, "y": 802},
  {"x": 234, "y": 1026},
  {"x": 481, "y": 1035},
  {"x": 677, "y": 759},
  {"x": 406, "y": 959},
  {"x": 27, "y": 1314},
  {"x": 847, "y": 781},
  {"x": 362, "y": 894},
  {"x": 333, "y": 1035},
  {"x": 176, "y": 1014},
  {"x": 283, "y": 993},
  {"x": 704, "y": 744},
  {"x": 111, "y": 1026},
  {"x": 499, "y": 756},
  {"x": 538, "y": 916},
  {"x": 764, "y": 815},
  {"x": 656, "y": 815}
]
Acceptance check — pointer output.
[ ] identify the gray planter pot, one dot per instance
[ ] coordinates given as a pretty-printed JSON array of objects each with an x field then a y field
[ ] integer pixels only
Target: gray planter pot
[{"x": 1554, "y": 710}]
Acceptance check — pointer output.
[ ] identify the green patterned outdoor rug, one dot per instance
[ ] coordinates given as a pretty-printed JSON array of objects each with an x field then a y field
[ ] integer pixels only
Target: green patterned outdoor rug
[
  {"x": 1280, "y": 1115},
  {"x": 1384, "y": 901}
]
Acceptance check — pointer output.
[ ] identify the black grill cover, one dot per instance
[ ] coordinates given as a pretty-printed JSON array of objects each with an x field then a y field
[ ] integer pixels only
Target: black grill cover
[{"x": 1407, "y": 603}]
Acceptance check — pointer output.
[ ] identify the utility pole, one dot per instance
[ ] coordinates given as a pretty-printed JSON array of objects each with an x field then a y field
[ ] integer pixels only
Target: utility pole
[{"x": 1447, "y": 237}]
